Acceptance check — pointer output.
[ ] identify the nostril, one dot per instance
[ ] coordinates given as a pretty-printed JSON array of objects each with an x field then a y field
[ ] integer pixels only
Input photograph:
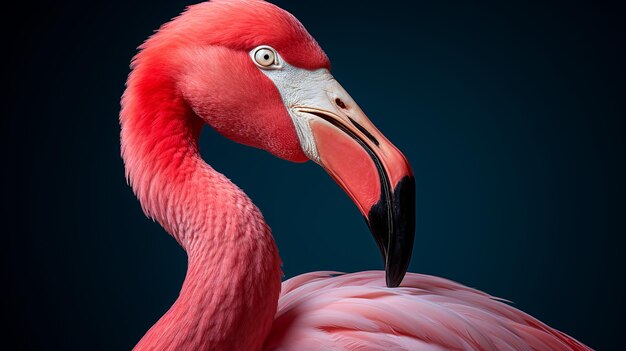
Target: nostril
[{"x": 340, "y": 103}]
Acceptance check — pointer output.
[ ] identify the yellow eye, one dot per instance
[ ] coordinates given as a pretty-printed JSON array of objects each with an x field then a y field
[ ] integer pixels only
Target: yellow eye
[{"x": 265, "y": 57}]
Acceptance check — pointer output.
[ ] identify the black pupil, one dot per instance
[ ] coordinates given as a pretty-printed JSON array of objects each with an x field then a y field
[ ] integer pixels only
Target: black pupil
[{"x": 267, "y": 57}]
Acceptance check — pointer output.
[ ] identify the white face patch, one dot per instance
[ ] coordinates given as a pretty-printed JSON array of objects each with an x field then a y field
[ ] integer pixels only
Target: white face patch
[{"x": 302, "y": 88}]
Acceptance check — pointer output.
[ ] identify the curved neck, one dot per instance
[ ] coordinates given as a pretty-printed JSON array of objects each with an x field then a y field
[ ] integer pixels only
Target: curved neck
[{"x": 229, "y": 296}]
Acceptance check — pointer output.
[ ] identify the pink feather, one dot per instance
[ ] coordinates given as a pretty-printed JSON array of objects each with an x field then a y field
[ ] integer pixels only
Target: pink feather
[{"x": 332, "y": 311}]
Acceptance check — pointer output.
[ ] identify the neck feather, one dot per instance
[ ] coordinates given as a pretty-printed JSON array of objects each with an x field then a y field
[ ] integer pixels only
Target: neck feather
[{"x": 229, "y": 296}]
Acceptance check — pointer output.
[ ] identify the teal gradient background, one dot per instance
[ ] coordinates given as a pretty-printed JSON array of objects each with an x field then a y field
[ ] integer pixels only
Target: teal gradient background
[{"x": 511, "y": 114}]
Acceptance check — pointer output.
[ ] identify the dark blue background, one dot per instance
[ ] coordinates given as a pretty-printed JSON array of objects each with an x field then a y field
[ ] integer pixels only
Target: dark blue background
[{"x": 511, "y": 113}]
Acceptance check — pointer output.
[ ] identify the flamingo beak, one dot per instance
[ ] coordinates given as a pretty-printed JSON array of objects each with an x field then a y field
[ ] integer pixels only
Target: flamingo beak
[
  {"x": 371, "y": 170},
  {"x": 335, "y": 133}
]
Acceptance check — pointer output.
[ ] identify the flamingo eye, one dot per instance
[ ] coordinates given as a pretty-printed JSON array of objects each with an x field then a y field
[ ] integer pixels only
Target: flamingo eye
[{"x": 265, "y": 57}]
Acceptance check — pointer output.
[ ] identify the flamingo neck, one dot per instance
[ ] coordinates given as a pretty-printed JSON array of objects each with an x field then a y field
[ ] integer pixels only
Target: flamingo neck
[{"x": 230, "y": 293}]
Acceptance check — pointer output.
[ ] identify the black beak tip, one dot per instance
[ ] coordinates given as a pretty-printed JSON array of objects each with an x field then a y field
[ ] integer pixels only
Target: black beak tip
[
  {"x": 393, "y": 277},
  {"x": 392, "y": 224}
]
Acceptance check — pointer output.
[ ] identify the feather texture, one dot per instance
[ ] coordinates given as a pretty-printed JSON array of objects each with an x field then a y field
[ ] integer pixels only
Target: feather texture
[{"x": 333, "y": 311}]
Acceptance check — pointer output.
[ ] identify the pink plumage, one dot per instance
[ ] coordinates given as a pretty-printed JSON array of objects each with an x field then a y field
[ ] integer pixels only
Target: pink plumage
[
  {"x": 203, "y": 68},
  {"x": 332, "y": 311}
]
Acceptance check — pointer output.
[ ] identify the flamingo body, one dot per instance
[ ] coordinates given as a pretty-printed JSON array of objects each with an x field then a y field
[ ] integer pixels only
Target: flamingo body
[
  {"x": 252, "y": 72},
  {"x": 332, "y": 311}
]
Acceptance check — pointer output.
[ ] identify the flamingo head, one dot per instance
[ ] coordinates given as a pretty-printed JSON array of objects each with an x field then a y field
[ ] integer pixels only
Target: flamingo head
[{"x": 252, "y": 71}]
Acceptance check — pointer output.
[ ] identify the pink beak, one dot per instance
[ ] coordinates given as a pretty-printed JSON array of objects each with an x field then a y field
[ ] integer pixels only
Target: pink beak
[{"x": 371, "y": 170}]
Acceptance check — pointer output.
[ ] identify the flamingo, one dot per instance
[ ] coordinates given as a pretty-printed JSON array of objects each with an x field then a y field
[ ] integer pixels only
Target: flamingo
[{"x": 252, "y": 72}]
